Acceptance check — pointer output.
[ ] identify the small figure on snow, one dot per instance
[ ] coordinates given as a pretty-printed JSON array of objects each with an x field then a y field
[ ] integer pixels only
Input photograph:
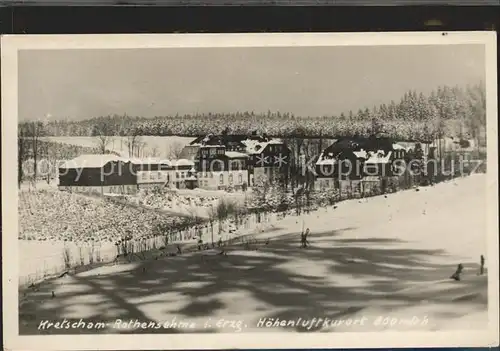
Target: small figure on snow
[
  {"x": 481, "y": 269},
  {"x": 303, "y": 238},
  {"x": 458, "y": 272}
]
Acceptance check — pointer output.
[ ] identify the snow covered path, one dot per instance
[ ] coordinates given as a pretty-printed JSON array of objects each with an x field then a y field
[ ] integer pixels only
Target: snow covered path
[{"x": 384, "y": 256}]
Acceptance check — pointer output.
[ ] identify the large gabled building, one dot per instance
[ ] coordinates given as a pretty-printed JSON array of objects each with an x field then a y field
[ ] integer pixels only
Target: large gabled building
[
  {"x": 229, "y": 160},
  {"x": 269, "y": 159},
  {"x": 219, "y": 169},
  {"x": 353, "y": 159},
  {"x": 167, "y": 173}
]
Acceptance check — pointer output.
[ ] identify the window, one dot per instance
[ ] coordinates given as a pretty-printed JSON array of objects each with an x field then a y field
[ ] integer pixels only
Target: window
[
  {"x": 240, "y": 178},
  {"x": 144, "y": 176},
  {"x": 176, "y": 174},
  {"x": 182, "y": 174},
  {"x": 204, "y": 152},
  {"x": 230, "y": 179},
  {"x": 221, "y": 179},
  {"x": 212, "y": 151},
  {"x": 160, "y": 175},
  {"x": 152, "y": 176}
]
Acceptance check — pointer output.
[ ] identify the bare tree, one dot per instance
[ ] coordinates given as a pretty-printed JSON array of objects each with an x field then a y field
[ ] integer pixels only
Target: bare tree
[
  {"x": 295, "y": 144},
  {"x": 45, "y": 149},
  {"x": 103, "y": 134},
  {"x": 260, "y": 190},
  {"x": 131, "y": 143},
  {"x": 134, "y": 143},
  {"x": 154, "y": 152},
  {"x": 310, "y": 151},
  {"x": 212, "y": 216},
  {"x": 51, "y": 153},
  {"x": 141, "y": 146},
  {"x": 34, "y": 130},
  {"x": 174, "y": 150},
  {"x": 22, "y": 150}
]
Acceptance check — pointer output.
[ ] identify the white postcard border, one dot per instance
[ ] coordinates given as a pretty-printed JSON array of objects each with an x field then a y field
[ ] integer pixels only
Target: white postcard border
[{"x": 10, "y": 46}]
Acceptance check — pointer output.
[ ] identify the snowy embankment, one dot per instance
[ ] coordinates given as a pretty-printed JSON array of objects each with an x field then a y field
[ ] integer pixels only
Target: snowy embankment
[
  {"x": 450, "y": 216},
  {"x": 387, "y": 257}
]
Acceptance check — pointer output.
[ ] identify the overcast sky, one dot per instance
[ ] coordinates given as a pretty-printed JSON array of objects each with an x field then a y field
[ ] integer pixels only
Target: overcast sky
[{"x": 313, "y": 81}]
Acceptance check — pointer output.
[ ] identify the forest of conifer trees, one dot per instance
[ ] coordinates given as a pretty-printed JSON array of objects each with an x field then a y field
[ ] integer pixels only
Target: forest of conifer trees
[{"x": 446, "y": 111}]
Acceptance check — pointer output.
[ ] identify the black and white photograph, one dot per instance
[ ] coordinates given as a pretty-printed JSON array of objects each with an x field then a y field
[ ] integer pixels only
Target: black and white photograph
[{"x": 254, "y": 190}]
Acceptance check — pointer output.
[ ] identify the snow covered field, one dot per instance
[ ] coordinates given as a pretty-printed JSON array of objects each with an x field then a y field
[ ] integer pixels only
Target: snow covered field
[
  {"x": 162, "y": 146},
  {"x": 384, "y": 256},
  {"x": 40, "y": 258}
]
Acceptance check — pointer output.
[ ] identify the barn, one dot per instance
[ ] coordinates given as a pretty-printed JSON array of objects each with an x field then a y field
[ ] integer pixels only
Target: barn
[{"x": 105, "y": 173}]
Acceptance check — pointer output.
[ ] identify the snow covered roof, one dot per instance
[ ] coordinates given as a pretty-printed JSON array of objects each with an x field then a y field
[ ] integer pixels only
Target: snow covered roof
[
  {"x": 182, "y": 162},
  {"x": 398, "y": 147},
  {"x": 378, "y": 157},
  {"x": 328, "y": 161},
  {"x": 256, "y": 146},
  {"x": 149, "y": 161},
  {"x": 92, "y": 161},
  {"x": 234, "y": 154},
  {"x": 332, "y": 160},
  {"x": 454, "y": 144},
  {"x": 360, "y": 154}
]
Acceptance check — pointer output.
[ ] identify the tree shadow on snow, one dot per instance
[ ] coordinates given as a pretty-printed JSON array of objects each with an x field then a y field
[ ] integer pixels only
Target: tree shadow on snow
[{"x": 334, "y": 277}]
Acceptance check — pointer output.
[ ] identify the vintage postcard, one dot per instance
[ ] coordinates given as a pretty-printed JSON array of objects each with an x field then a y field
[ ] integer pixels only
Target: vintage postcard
[{"x": 237, "y": 191}]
